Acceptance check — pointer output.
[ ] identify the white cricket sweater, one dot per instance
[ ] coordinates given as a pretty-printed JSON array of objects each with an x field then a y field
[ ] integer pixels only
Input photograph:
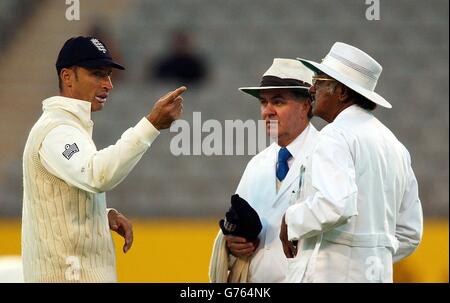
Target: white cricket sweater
[{"x": 65, "y": 230}]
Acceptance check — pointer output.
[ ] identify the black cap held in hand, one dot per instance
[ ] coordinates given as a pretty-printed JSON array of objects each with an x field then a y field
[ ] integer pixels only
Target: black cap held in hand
[
  {"x": 86, "y": 52},
  {"x": 241, "y": 220}
]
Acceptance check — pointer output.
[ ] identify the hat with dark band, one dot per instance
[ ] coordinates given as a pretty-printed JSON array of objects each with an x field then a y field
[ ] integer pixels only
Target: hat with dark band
[{"x": 284, "y": 73}]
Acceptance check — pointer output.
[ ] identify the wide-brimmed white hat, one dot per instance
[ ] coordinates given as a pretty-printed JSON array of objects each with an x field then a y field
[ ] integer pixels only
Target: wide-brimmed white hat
[
  {"x": 353, "y": 68},
  {"x": 284, "y": 73}
]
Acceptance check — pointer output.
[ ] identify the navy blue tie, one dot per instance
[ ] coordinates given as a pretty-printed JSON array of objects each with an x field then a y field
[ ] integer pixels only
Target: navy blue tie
[{"x": 282, "y": 167}]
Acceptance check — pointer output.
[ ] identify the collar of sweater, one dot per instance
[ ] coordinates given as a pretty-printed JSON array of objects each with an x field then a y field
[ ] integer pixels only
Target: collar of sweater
[{"x": 81, "y": 109}]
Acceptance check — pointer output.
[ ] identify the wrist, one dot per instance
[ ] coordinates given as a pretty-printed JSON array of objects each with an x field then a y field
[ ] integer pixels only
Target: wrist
[{"x": 154, "y": 122}]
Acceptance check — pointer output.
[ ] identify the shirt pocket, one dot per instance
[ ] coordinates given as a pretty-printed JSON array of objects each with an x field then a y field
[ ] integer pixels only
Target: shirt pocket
[{"x": 294, "y": 196}]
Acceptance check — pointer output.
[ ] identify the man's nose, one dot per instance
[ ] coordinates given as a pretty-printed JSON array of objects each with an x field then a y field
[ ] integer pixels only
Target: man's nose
[
  {"x": 108, "y": 83},
  {"x": 312, "y": 89},
  {"x": 268, "y": 110}
]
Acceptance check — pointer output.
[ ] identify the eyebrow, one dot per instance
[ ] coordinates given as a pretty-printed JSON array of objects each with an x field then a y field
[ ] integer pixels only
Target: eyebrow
[
  {"x": 99, "y": 68},
  {"x": 280, "y": 96},
  {"x": 277, "y": 96},
  {"x": 105, "y": 70}
]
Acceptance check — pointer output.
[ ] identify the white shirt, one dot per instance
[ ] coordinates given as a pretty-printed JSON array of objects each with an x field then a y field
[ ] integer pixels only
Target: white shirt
[{"x": 258, "y": 186}]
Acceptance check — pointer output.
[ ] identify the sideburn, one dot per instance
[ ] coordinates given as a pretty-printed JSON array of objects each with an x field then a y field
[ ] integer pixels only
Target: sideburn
[{"x": 75, "y": 70}]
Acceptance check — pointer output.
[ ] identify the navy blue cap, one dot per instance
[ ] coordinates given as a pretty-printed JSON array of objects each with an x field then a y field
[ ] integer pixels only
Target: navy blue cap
[
  {"x": 241, "y": 220},
  {"x": 85, "y": 52}
]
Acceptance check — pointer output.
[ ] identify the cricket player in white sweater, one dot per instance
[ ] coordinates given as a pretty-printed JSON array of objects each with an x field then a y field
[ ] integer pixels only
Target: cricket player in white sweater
[{"x": 65, "y": 222}]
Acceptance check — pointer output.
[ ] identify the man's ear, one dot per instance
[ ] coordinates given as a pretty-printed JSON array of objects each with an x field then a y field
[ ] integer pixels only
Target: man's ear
[
  {"x": 307, "y": 105},
  {"x": 67, "y": 75},
  {"x": 343, "y": 93}
]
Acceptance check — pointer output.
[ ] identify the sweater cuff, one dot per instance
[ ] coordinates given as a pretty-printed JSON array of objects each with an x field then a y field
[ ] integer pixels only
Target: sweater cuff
[
  {"x": 289, "y": 219},
  {"x": 146, "y": 131}
]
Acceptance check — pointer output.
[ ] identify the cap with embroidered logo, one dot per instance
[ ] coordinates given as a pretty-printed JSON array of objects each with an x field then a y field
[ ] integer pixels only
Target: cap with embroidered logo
[
  {"x": 85, "y": 52},
  {"x": 241, "y": 220}
]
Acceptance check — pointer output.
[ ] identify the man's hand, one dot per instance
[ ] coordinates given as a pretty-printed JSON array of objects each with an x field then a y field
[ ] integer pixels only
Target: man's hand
[
  {"x": 167, "y": 109},
  {"x": 240, "y": 247},
  {"x": 121, "y": 225},
  {"x": 289, "y": 250}
]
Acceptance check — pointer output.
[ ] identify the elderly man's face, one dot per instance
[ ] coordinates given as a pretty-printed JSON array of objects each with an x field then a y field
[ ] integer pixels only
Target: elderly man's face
[
  {"x": 325, "y": 100},
  {"x": 289, "y": 113},
  {"x": 91, "y": 84}
]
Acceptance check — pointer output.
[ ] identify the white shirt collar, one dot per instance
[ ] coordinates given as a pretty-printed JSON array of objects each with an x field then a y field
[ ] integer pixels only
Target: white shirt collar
[
  {"x": 295, "y": 147},
  {"x": 81, "y": 109},
  {"x": 351, "y": 111}
]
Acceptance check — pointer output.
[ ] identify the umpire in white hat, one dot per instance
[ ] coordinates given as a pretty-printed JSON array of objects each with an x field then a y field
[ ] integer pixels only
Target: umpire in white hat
[
  {"x": 359, "y": 210},
  {"x": 271, "y": 179}
]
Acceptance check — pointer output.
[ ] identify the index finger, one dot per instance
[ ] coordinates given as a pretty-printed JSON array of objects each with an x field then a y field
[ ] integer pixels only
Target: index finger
[
  {"x": 128, "y": 239},
  {"x": 176, "y": 93},
  {"x": 236, "y": 239}
]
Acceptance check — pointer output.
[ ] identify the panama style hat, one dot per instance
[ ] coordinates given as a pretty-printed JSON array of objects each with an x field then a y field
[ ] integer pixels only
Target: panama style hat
[
  {"x": 284, "y": 73},
  {"x": 353, "y": 68}
]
